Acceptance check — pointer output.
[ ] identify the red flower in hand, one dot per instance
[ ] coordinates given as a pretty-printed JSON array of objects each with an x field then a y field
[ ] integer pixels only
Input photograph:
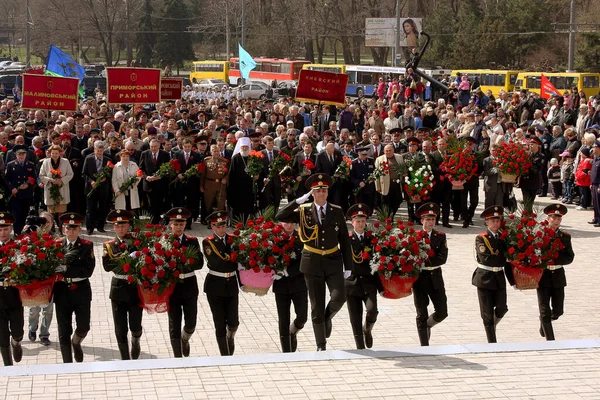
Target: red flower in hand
[{"x": 31, "y": 180}]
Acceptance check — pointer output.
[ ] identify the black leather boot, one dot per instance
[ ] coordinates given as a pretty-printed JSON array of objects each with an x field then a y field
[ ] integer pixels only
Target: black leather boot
[
  {"x": 124, "y": 350},
  {"x": 430, "y": 324},
  {"x": 490, "y": 332},
  {"x": 423, "y": 333},
  {"x": 293, "y": 339},
  {"x": 185, "y": 343},
  {"x": 6, "y": 356},
  {"x": 67, "y": 353},
  {"x": 135, "y": 347},
  {"x": 320, "y": 336},
  {"x": 286, "y": 346},
  {"x": 360, "y": 342},
  {"x": 176, "y": 345},
  {"x": 548, "y": 330},
  {"x": 231, "y": 340},
  {"x": 17, "y": 350},
  {"x": 367, "y": 331},
  {"x": 223, "y": 348},
  {"x": 328, "y": 325},
  {"x": 77, "y": 350}
]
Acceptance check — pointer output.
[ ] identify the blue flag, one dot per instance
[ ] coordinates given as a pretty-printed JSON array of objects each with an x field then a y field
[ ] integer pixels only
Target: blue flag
[
  {"x": 60, "y": 63},
  {"x": 247, "y": 64}
]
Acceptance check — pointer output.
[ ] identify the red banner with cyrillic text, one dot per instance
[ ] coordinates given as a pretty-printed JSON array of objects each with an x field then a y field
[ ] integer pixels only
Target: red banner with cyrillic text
[
  {"x": 171, "y": 89},
  {"x": 132, "y": 85},
  {"x": 322, "y": 87},
  {"x": 50, "y": 92}
]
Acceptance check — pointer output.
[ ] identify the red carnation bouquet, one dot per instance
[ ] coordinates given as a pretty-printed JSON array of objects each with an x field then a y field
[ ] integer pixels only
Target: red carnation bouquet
[
  {"x": 102, "y": 176},
  {"x": 3, "y": 150},
  {"x": 168, "y": 170},
  {"x": 254, "y": 166},
  {"x": 30, "y": 264},
  {"x": 195, "y": 170},
  {"x": 54, "y": 190},
  {"x": 399, "y": 249},
  {"x": 263, "y": 246},
  {"x": 342, "y": 172},
  {"x": 280, "y": 162},
  {"x": 458, "y": 165},
  {"x": 512, "y": 159},
  {"x": 306, "y": 170}
]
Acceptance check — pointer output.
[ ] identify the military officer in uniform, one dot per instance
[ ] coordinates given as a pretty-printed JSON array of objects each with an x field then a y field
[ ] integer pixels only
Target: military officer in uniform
[
  {"x": 531, "y": 183},
  {"x": 471, "y": 189},
  {"x": 362, "y": 167},
  {"x": 73, "y": 295},
  {"x": 551, "y": 287},
  {"x": 489, "y": 274},
  {"x": 11, "y": 309},
  {"x": 124, "y": 296},
  {"x": 184, "y": 300},
  {"x": 327, "y": 252},
  {"x": 430, "y": 284},
  {"x": 221, "y": 284},
  {"x": 213, "y": 182},
  {"x": 291, "y": 289},
  {"x": 20, "y": 180},
  {"x": 361, "y": 286}
]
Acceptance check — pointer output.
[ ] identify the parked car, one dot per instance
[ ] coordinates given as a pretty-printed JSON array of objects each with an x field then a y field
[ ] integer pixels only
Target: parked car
[
  {"x": 211, "y": 84},
  {"x": 9, "y": 82},
  {"x": 256, "y": 90},
  {"x": 13, "y": 65},
  {"x": 283, "y": 87}
]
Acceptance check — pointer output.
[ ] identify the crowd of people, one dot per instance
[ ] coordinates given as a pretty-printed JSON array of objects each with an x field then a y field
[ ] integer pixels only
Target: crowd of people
[{"x": 79, "y": 168}]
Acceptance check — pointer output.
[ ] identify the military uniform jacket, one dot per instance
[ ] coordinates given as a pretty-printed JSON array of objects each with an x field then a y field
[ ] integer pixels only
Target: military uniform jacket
[
  {"x": 120, "y": 289},
  {"x": 360, "y": 172},
  {"x": 439, "y": 245},
  {"x": 16, "y": 175},
  {"x": 188, "y": 287},
  {"x": 557, "y": 278},
  {"x": 490, "y": 252},
  {"x": 294, "y": 282},
  {"x": 533, "y": 180},
  {"x": 333, "y": 234},
  {"x": 80, "y": 263},
  {"x": 9, "y": 295},
  {"x": 361, "y": 281},
  {"x": 218, "y": 259}
]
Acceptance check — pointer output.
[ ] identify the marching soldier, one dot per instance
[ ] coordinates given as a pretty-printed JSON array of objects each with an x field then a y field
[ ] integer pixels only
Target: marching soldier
[
  {"x": 184, "y": 300},
  {"x": 552, "y": 284},
  {"x": 327, "y": 252},
  {"x": 291, "y": 289},
  {"x": 124, "y": 296},
  {"x": 430, "y": 284},
  {"x": 221, "y": 283},
  {"x": 20, "y": 180},
  {"x": 11, "y": 309},
  {"x": 361, "y": 286},
  {"x": 489, "y": 274},
  {"x": 73, "y": 295},
  {"x": 213, "y": 182}
]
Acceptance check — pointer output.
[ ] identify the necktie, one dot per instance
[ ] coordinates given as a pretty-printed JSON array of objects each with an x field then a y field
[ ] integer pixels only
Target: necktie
[
  {"x": 154, "y": 158},
  {"x": 330, "y": 158},
  {"x": 360, "y": 238},
  {"x": 187, "y": 157},
  {"x": 270, "y": 156},
  {"x": 69, "y": 246},
  {"x": 98, "y": 164},
  {"x": 322, "y": 215},
  {"x": 375, "y": 153}
]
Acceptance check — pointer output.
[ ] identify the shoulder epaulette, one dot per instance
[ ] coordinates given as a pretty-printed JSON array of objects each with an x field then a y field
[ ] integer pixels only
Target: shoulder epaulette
[
  {"x": 306, "y": 205},
  {"x": 85, "y": 241},
  {"x": 335, "y": 206},
  {"x": 482, "y": 234},
  {"x": 111, "y": 241}
]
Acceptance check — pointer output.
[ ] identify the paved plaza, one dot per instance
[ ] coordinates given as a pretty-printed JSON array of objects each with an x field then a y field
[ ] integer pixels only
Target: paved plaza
[{"x": 527, "y": 366}]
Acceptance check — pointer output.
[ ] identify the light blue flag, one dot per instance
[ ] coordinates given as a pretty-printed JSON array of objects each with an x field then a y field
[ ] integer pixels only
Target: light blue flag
[
  {"x": 247, "y": 64},
  {"x": 61, "y": 64}
]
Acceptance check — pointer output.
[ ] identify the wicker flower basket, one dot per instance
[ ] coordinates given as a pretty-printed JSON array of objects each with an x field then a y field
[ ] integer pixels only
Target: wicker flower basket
[
  {"x": 153, "y": 302},
  {"x": 256, "y": 282},
  {"x": 508, "y": 178},
  {"x": 415, "y": 199},
  {"x": 457, "y": 185},
  {"x": 526, "y": 277},
  {"x": 38, "y": 293},
  {"x": 397, "y": 286}
]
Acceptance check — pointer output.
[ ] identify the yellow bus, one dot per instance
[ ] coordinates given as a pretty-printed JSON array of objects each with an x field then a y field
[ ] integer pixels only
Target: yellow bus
[
  {"x": 589, "y": 83},
  {"x": 335, "y": 68},
  {"x": 209, "y": 69},
  {"x": 490, "y": 79}
]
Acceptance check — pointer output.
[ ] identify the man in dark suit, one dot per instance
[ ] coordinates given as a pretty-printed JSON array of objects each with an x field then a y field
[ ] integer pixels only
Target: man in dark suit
[
  {"x": 156, "y": 188},
  {"x": 184, "y": 300},
  {"x": 187, "y": 194},
  {"x": 299, "y": 168},
  {"x": 471, "y": 190},
  {"x": 376, "y": 147},
  {"x": 326, "y": 117},
  {"x": 11, "y": 308},
  {"x": 327, "y": 252},
  {"x": 361, "y": 286},
  {"x": 73, "y": 295},
  {"x": 361, "y": 169},
  {"x": 221, "y": 283},
  {"x": 20, "y": 181},
  {"x": 489, "y": 274},
  {"x": 531, "y": 183},
  {"x": 442, "y": 188},
  {"x": 430, "y": 284},
  {"x": 225, "y": 152},
  {"x": 271, "y": 193},
  {"x": 492, "y": 186},
  {"x": 551, "y": 288},
  {"x": 98, "y": 201},
  {"x": 399, "y": 146},
  {"x": 327, "y": 162}
]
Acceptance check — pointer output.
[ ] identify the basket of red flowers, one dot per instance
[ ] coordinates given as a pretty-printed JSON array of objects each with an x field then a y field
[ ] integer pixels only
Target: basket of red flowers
[{"x": 512, "y": 161}]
